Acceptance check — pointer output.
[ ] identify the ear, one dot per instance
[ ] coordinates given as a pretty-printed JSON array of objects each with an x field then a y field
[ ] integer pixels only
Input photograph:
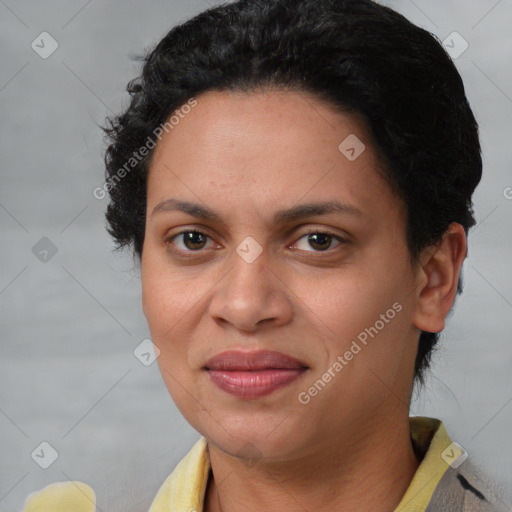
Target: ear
[{"x": 437, "y": 279}]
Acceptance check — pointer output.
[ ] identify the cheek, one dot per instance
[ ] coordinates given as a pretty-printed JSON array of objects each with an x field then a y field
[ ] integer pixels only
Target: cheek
[
  {"x": 163, "y": 296},
  {"x": 162, "y": 303},
  {"x": 365, "y": 307},
  {"x": 155, "y": 300},
  {"x": 355, "y": 300},
  {"x": 173, "y": 303},
  {"x": 167, "y": 310}
]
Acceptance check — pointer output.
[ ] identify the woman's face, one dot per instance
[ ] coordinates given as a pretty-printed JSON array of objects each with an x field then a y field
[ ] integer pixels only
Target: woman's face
[{"x": 342, "y": 304}]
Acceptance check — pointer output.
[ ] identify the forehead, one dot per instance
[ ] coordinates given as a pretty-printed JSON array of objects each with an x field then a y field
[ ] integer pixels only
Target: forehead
[{"x": 267, "y": 148}]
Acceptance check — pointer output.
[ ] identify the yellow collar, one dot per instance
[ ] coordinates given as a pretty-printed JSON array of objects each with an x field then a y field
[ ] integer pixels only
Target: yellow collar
[
  {"x": 185, "y": 488},
  {"x": 429, "y": 437}
]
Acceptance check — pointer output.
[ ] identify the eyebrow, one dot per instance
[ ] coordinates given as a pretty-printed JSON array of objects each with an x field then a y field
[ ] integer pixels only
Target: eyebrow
[{"x": 297, "y": 212}]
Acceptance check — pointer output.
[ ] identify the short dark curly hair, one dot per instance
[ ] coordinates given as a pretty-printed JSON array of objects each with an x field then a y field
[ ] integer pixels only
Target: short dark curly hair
[{"x": 360, "y": 57}]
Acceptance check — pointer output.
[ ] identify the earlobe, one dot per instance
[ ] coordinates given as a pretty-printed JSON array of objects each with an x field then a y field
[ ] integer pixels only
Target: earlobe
[{"x": 437, "y": 279}]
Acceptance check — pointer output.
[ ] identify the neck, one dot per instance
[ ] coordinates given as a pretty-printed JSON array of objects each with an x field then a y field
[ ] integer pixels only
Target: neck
[{"x": 366, "y": 470}]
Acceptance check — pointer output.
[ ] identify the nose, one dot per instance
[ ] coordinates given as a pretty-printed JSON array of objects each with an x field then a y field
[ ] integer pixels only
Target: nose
[{"x": 251, "y": 294}]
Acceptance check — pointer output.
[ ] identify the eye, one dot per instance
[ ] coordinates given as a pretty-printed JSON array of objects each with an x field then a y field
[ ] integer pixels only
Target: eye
[
  {"x": 191, "y": 240},
  {"x": 194, "y": 240},
  {"x": 321, "y": 240}
]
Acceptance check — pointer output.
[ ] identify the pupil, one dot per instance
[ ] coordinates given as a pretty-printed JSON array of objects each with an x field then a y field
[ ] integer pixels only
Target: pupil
[
  {"x": 324, "y": 239},
  {"x": 191, "y": 239}
]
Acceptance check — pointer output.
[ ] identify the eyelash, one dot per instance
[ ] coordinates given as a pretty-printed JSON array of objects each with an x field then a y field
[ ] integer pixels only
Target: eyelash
[{"x": 341, "y": 241}]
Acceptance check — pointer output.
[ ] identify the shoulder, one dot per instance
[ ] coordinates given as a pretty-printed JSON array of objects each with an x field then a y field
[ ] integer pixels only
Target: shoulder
[
  {"x": 62, "y": 497},
  {"x": 470, "y": 489}
]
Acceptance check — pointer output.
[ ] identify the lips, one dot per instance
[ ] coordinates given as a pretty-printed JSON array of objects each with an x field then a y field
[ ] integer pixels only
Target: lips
[
  {"x": 252, "y": 361},
  {"x": 253, "y": 374}
]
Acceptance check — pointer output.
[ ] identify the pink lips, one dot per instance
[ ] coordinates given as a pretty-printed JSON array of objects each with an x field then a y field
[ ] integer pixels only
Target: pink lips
[{"x": 253, "y": 374}]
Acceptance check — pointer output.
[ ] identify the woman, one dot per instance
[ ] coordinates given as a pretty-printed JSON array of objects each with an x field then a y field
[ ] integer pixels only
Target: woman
[{"x": 295, "y": 179}]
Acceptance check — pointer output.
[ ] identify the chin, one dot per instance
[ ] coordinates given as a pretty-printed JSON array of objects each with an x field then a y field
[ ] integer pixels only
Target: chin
[{"x": 252, "y": 438}]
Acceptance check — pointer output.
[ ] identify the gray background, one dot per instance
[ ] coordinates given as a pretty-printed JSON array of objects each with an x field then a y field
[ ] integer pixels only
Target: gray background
[{"x": 69, "y": 326}]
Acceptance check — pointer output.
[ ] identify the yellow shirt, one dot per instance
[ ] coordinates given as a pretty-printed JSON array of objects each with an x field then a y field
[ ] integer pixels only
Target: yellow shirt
[{"x": 184, "y": 488}]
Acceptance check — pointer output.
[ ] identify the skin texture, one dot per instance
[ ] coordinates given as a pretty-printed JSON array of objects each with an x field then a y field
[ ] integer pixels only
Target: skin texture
[{"x": 247, "y": 155}]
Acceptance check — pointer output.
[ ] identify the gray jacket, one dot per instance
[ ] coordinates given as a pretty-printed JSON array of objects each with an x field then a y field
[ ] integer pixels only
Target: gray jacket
[{"x": 467, "y": 489}]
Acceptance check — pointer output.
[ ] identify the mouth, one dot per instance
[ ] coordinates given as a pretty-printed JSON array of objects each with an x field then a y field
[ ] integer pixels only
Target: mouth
[{"x": 253, "y": 374}]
